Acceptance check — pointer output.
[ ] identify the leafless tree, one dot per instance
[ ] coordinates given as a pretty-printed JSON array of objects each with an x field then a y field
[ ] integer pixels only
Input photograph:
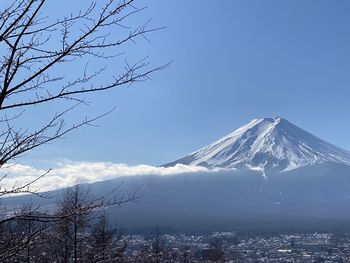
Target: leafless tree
[
  {"x": 34, "y": 50},
  {"x": 17, "y": 235},
  {"x": 105, "y": 242},
  {"x": 74, "y": 203},
  {"x": 71, "y": 234},
  {"x": 76, "y": 216}
]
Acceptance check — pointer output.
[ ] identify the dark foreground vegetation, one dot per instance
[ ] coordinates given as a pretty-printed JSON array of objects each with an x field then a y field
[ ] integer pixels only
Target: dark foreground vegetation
[{"x": 75, "y": 230}]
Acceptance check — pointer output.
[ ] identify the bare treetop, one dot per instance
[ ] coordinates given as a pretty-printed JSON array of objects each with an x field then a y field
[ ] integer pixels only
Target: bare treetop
[{"x": 35, "y": 50}]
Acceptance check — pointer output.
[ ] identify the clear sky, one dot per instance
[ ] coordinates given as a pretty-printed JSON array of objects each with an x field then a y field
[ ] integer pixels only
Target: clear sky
[{"x": 233, "y": 60}]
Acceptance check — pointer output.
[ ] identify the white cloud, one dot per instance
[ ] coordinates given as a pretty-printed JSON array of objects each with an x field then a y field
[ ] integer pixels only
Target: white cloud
[{"x": 68, "y": 173}]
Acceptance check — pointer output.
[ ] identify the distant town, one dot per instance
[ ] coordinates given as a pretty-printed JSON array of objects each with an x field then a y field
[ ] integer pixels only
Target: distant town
[{"x": 232, "y": 247}]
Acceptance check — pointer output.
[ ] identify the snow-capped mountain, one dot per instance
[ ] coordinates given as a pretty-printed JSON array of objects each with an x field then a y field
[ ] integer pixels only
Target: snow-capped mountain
[
  {"x": 316, "y": 196},
  {"x": 267, "y": 144}
]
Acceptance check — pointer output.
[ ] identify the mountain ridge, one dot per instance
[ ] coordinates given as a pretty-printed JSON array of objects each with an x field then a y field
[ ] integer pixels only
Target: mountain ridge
[{"x": 266, "y": 144}]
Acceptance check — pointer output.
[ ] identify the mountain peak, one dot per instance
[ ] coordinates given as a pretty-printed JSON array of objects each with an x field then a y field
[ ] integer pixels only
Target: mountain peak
[
  {"x": 266, "y": 144},
  {"x": 272, "y": 120},
  {"x": 275, "y": 120}
]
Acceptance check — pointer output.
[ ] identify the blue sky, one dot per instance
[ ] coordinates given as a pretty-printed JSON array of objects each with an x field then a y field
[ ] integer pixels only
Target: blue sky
[{"x": 232, "y": 61}]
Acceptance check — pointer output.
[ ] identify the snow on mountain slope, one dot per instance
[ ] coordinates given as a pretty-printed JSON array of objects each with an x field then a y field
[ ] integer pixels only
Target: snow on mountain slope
[{"x": 266, "y": 144}]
